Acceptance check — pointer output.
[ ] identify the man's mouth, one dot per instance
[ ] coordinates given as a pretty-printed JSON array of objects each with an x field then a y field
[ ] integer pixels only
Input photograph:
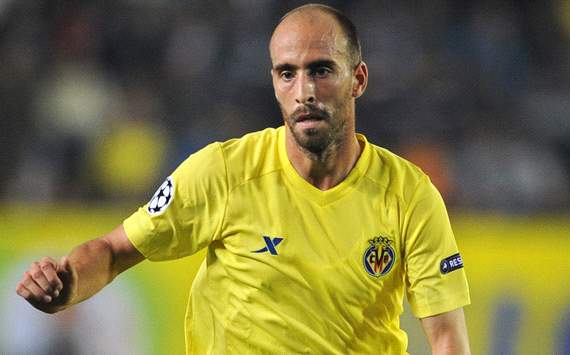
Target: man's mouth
[
  {"x": 308, "y": 116},
  {"x": 309, "y": 121}
]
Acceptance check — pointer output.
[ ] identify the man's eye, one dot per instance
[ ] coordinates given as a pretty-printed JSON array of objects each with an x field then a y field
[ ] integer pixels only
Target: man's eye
[
  {"x": 286, "y": 75},
  {"x": 322, "y": 72}
]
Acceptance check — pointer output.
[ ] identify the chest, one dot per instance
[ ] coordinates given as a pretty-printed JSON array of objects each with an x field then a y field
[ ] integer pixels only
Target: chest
[{"x": 350, "y": 245}]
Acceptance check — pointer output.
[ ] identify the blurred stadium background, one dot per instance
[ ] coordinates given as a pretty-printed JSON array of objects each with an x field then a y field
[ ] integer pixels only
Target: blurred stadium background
[{"x": 100, "y": 100}]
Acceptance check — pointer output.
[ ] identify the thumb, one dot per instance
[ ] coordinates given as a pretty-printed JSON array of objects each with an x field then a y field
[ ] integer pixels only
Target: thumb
[
  {"x": 67, "y": 272},
  {"x": 64, "y": 266}
]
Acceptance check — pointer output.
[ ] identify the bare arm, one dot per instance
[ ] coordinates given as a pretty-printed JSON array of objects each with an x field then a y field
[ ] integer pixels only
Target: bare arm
[
  {"x": 447, "y": 333},
  {"x": 52, "y": 286}
]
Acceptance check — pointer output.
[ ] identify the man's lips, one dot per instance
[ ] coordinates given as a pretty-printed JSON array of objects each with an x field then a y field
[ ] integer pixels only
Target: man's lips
[
  {"x": 308, "y": 116},
  {"x": 308, "y": 121}
]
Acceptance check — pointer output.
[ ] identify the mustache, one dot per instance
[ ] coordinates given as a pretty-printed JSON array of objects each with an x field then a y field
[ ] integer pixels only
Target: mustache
[{"x": 309, "y": 111}]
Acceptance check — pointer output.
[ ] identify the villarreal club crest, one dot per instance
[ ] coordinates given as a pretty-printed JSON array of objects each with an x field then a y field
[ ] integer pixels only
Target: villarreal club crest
[{"x": 379, "y": 257}]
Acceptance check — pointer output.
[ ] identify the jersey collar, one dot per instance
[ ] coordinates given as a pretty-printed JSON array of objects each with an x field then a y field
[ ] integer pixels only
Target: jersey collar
[{"x": 312, "y": 193}]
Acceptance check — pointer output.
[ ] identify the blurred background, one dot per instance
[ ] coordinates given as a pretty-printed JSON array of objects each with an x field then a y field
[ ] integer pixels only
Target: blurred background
[{"x": 100, "y": 100}]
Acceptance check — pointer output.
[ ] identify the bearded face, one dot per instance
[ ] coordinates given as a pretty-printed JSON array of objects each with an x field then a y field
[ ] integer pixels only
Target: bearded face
[{"x": 315, "y": 128}]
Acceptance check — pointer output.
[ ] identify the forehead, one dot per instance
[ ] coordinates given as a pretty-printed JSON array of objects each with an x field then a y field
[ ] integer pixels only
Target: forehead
[{"x": 307, "y": 35}]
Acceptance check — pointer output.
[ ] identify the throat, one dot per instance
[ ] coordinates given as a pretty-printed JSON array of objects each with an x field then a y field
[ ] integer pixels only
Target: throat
[
  {"x": 328, "y": 168},
  {"x": 325, "y": 181}
]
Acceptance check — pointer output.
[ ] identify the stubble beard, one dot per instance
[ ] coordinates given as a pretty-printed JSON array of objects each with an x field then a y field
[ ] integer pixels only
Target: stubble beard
[{"x": 318, "y": 144}]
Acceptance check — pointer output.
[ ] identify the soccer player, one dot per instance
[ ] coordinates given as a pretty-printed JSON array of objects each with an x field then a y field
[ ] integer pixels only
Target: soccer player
[{"x": 314, "y": 235}]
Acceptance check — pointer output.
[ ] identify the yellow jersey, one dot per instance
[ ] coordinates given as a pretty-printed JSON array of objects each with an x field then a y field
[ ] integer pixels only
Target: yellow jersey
[{"x": 293, "y": 269}]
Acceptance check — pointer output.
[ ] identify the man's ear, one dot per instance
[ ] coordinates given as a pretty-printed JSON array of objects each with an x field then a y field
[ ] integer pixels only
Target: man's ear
[{"x": 360, "y": 80}]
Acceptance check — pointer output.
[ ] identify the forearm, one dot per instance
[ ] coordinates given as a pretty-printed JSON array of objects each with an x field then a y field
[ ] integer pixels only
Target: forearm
[
  {"x": 93, "y": 262},
  {"x": 451, "y": 346},
  {"x": 447, "y": 333},
  {"x": 52, "y": 286}
]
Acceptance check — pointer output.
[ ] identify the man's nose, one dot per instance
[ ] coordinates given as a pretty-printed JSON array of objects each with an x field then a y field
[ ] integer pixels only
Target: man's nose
[{"x": 305, "y": 93}]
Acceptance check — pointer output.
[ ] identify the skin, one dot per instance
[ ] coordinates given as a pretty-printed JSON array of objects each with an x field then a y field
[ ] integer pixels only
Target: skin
[
  {"x": 447, "y": 333},
  {"x": 316, "y": 86},
  {"x": 52, "y": 286}
]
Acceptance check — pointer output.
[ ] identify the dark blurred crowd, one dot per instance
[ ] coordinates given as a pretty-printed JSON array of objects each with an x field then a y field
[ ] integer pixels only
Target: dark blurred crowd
[{"x": 100, "y": 100}]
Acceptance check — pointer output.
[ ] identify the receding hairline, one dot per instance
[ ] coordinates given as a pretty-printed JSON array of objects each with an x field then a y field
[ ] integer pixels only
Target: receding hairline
[
  {"x": 310, "y": 7},
  {"x": 346, "y": 27}
]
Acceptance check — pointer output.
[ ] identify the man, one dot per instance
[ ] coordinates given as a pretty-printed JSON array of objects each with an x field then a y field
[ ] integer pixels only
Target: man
[{"x": 313, "y": 234}]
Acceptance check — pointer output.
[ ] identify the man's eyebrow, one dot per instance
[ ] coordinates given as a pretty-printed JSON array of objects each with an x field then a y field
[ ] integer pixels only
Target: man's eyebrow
[
  {"x": 285, "y": 66},
  {"x": 322, "y": 63},
  {"x": 312, "y": 65}
]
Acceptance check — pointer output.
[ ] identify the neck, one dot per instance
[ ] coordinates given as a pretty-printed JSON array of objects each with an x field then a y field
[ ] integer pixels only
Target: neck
[{"x": 328, "y": 169}]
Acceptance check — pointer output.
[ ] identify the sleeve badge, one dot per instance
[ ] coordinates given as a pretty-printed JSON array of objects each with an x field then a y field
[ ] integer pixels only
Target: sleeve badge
[{"x": 162, "y": 197}]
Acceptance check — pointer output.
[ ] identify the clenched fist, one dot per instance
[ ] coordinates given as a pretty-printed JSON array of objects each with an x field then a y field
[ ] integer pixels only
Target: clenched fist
[{"x": 49, "y": 285}]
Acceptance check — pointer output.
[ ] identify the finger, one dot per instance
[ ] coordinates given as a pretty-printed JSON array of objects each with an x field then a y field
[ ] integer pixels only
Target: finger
[
  {"x": 28, "y": 296},
  {"x": 36, "y": 292},
  {"x": 66, "y": 267},
  {"x": 48, "y": 268},
  {"x": 39, "y": 277},
  {"x": 47, "y": 259},
  {"x": 63, "y": 264},
  {"x": 23, "y": 291}
]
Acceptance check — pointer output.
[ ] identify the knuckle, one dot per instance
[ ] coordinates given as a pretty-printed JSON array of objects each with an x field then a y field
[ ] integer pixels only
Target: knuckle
[
  {"x": 47, "y": 262},
  {"x": 38, "y": 294},
  {"x": 28, "y": 281},
  {"x": 37, "y": 274}
]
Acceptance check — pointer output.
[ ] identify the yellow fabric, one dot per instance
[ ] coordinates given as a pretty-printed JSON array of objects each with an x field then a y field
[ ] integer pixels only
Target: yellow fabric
[{"x": 309, "y": 292}]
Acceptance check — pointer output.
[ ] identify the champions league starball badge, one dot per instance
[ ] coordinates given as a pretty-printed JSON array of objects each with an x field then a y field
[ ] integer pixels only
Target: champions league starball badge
[{"x": 162, "y": 197}]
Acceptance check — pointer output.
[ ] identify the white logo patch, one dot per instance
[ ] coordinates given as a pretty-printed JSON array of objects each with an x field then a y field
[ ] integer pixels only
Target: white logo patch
[{"x": 162, "y": 197}]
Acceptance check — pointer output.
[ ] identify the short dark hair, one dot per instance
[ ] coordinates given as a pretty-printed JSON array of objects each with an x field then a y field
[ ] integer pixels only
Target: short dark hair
[{"x": 346, "y": 25}]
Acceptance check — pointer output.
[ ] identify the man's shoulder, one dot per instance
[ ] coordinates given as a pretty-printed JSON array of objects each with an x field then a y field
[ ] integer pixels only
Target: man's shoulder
[
  {"x": 252, "y": 141},
  {"x": 395, "y": 163},
  {"x": 231, "y": 163},
  {"x": 394, "y": 172},
  {"x": 252, "y": 155}
]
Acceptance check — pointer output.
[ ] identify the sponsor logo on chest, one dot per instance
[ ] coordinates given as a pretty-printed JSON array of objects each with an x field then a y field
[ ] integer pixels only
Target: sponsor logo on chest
[{"x": 271, "y": 244}]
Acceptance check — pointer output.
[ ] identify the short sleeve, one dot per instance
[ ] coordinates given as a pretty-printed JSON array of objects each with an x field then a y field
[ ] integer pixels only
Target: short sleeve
[
  {"x": 435, "y": 277},
  {"x": 186, "y": 212}
]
